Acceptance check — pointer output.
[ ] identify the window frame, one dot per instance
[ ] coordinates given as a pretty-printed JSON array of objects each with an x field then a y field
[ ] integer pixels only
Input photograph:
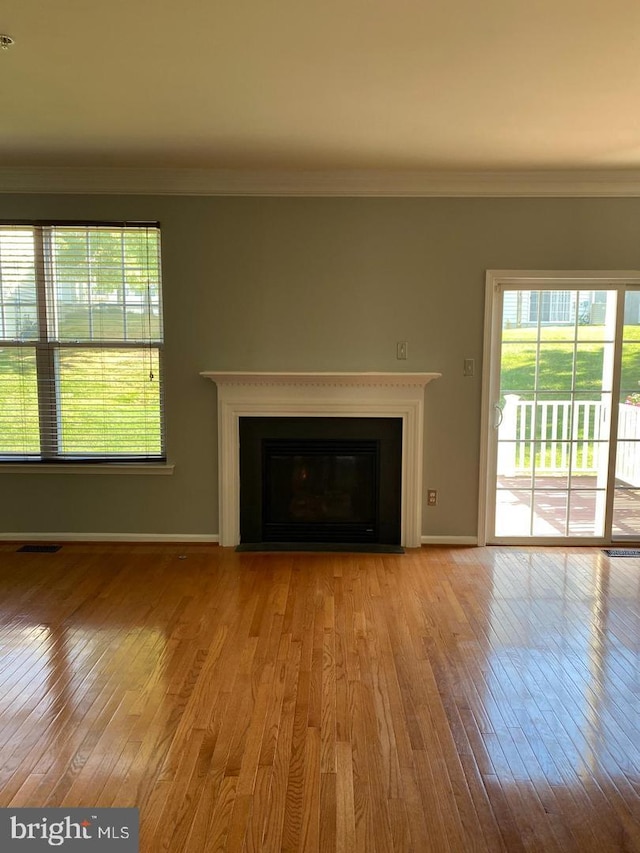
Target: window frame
[{"x": 47, "y": 348}]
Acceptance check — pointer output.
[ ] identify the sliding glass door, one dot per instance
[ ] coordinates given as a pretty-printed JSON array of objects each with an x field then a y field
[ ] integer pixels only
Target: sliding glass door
[
  {"x": 564, "y": 435},
  {"x": 626, "y": 497}
]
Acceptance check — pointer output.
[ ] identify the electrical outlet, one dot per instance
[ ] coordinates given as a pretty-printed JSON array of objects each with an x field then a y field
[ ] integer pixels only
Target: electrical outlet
[
  {"x": 402, "y": 351},
  {"x": 432, "y": 497}
]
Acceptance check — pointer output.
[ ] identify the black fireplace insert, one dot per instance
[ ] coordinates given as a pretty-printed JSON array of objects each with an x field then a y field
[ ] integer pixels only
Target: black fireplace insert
[{"x": 320, "y": 480}]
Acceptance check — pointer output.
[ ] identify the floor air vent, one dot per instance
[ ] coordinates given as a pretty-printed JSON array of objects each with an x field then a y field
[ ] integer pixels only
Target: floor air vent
[
  {"x": 40, "y": 549},
  {"x": 622, "y": 552}
]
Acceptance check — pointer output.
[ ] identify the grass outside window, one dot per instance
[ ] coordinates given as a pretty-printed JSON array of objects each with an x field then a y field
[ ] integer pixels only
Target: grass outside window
[{"x": 80, "y": 343}]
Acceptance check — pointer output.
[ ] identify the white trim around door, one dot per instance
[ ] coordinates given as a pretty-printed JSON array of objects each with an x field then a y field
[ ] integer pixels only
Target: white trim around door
[{"x": 497, "y": 282}]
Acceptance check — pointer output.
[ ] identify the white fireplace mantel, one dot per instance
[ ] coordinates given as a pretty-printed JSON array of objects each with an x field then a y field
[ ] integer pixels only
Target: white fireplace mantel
[{"x": 364, "y": 395}]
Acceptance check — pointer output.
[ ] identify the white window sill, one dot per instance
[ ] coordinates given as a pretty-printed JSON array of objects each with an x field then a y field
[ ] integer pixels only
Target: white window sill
[{"x": 85, "y": 468}]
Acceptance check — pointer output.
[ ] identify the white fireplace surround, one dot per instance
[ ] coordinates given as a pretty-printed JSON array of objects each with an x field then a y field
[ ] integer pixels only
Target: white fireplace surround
[{"x": 282, "y": 395}]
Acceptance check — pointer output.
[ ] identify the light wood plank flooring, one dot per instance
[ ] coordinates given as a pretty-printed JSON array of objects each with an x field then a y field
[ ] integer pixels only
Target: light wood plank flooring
[{"x": 479, "y": 699}]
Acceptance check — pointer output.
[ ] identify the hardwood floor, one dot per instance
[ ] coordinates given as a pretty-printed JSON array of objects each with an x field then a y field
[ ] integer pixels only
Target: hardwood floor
[{"x": 479, "y": 699}]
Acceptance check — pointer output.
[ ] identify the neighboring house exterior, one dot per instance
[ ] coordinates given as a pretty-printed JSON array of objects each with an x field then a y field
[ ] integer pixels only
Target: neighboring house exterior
[{"x": 558, "y": 307}]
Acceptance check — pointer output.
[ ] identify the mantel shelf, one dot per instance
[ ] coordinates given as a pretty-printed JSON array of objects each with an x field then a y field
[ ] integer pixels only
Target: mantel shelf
[{"x": 388, "y": 379}]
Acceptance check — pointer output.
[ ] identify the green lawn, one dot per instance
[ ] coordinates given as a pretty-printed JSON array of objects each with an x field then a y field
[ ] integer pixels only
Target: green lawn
[
  {"x": 108, "y": 322},
  {"x": 106, "y": 401},
  {"x": 560, "y": 369},
  {"x": 565, "y": 372}
]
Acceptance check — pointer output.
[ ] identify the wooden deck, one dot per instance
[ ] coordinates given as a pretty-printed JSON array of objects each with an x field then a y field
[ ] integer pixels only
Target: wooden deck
[
  {"x": 514, "y": 507},
  {"x": 481, "y": 699}
]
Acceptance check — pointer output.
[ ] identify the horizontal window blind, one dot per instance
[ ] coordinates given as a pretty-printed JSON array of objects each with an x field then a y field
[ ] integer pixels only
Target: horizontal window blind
[{"x": 80, "y": 342}]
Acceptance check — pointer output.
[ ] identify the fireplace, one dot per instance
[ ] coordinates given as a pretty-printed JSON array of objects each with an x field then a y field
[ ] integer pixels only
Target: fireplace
[
  {"x": 320, "y": 480},
  {"x": 319, "y": 395}
]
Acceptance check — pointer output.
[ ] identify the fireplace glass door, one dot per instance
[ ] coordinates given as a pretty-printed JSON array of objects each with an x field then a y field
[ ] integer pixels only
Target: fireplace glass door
[{"x": 321, "y": 490}]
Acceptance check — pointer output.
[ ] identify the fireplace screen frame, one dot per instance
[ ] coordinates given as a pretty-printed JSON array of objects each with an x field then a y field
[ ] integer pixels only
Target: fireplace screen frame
[{"x": 385, "y": 434}]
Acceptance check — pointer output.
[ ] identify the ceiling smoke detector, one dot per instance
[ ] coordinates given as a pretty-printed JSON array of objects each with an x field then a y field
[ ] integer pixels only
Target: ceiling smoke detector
[{"x": 5, "y": 41}]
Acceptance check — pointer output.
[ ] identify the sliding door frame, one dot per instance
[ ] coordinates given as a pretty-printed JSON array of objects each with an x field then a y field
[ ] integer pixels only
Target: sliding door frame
[{"x": 496, "y": 281}]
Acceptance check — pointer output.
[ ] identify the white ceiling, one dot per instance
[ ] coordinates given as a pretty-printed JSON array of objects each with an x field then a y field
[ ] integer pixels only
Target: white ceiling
[{"x": 322, "y": 84}]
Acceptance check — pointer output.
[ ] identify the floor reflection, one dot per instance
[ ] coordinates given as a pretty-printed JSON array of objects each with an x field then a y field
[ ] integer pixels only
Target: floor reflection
[
  {"x": 563, "y": 683},
  {"x": 52, "y": 675}
]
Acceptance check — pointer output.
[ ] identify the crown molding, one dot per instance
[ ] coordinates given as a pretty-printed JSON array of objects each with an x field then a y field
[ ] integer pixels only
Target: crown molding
[{"x": 358, "y": 183}]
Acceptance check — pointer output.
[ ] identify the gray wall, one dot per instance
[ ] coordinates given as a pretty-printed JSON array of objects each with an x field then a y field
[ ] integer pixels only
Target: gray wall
[{"x": 316, "y": 284}]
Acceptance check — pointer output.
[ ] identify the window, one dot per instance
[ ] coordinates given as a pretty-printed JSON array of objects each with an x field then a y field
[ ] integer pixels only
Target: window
[
  {"x": 80, "y": 342},
  {"x": 553, "y": 306}
]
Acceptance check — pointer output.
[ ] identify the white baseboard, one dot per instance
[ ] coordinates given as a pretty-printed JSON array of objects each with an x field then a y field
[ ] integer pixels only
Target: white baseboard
[
  {"x": 179, "y": 537},
  {"x": 449, "y": 540},
  {"x": 109, "y": 537}
]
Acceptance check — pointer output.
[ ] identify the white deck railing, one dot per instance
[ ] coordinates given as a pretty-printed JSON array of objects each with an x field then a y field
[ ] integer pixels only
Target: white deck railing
[
  {"x": 628, "y": 452},
  {"x": 564, "y": 434}
]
